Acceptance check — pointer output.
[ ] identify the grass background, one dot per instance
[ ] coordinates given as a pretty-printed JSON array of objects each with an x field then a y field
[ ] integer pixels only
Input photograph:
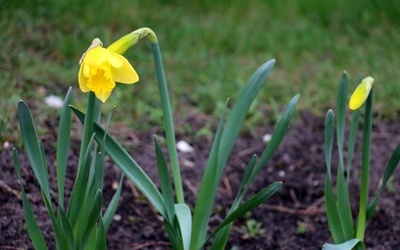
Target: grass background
[{"x": 209, "y": 51}]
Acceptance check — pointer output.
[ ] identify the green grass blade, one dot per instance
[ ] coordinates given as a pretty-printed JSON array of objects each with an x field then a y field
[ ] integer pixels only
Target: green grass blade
[
  {"x": 390, "y": 168},
  {"x": 112, "y": 207},
  {"x": 332, "y": 213},
  {"x": 33, "y": 228},
  {"x": 63, "y": 142},
  {"x": 352, "y": 142},
  {"x": 249, "y": 205},
  {"x": 128, "y": 166},
  {"x": 341, "y": 104},
  {"x": 184, "y": 217},
  {"x": 206, "y": 195},
  {"x": 348, "y": 245},
  {"x": 65, "y": 228},
  {"x": 32, "y": 147},
  {"x": 165, "y": 182}
]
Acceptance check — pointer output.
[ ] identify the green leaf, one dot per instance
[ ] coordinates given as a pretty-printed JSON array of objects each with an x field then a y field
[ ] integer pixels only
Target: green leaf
[
  {"x": 204, "y": 202},
  {"x": 165, "y": 182},
  {"x": 63, "y": 142},
  {"x": 112, "y": 207},
  {"x": 328, "y": 141},
  {"x": 65, "y": 228},
  {"x": 32, "y": 147},
  {"x": 332, "y": 213},
  {"x": 225, "y": 145},
  {"x": 348, "y": 245},
  {"x": 343, "y": 207},
  {"x": 33, "y": 228},
  {"x": 101, "y": 243},
  {"x": 61, "y": 240},
  {"x": 341, "y": 104},
  {"x": 77, "y": 201},
  {"x": 185, "y": 223},
  {"x": 390, "y": 168},
  {"x": 127, "y": 165},
  {"x": 276, "y": 139},
  {"x": 249, "y": 205},
  {"x": 93, "y": 215},
  {"x": 352, "y": 141}
]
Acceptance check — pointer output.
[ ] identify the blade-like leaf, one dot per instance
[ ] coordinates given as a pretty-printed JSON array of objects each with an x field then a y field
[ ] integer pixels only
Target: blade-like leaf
[
  {"x": 101, "y": 243},
  {"x": 348, "y": 245},
  {"x": 63, "y": 142},
  {"x": 228, "y": 137},
  {"x": 128, "y": 166},
  {"x": 65, "y": 228},
  {"x": 185, "y": 223},
  {"x": 390, "y": 168},
  {"x": 276, "y": 139},
  {"x": 341, "y": 104},
  {"x": 61, "y": 240},
  {"x": 332, "y": 213},
  {"x": 352, "y": 141},
  {"x": 165, "y": 182},
  {"x": 32, "y": 147},
  {"x": 343, "y": 207},
  {"x": 112, "y": 207},
  {"x": 93, "y": 215},
  {"x": 328, "y": 141},
  {"x": 204, "y": 202},
  {"x": 33, "y": 228},
  {"x": 249, "y": 205}
]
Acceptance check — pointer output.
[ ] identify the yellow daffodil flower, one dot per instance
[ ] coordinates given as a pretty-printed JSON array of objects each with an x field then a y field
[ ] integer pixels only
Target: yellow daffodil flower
[
  {"x": 101, "y": 68},
  {"x": 361, "y": 93}
]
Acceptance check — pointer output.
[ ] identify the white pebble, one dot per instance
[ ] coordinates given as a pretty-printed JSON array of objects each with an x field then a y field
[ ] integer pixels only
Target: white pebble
[
  {"x": 281, "y": 173},
  {"x": 267, "y": 137},
  {"x": 6, "y": 144},
  {"x": 184, "y": 147},
  {"x": 54, "y": 101}
]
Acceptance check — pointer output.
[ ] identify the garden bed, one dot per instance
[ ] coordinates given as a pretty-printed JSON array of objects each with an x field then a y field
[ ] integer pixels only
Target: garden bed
[{"x": 293, "y": 219}]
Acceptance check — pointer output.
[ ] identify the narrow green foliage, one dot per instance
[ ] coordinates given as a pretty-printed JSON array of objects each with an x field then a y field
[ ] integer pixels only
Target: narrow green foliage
[
  {"x": 390, "y": 168},
  {"x": 112, "y": 207},
  {"x": 32, "y": 147},
  {"x": 33, "y": 228},
  {"x": 352, "y": 142},
  {"x": 127, "y": 165},
  {"x": 184, "y": 218},
  {"x": 348, "y": 245},
  {"x": 63, "y": 142}
]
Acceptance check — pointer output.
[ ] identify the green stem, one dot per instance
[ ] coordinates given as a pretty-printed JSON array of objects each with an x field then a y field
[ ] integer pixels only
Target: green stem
[
  {"x": 362, "y": 215},
  {"x": 87, "y": 126},
  {"x": 168, "y": 123}
]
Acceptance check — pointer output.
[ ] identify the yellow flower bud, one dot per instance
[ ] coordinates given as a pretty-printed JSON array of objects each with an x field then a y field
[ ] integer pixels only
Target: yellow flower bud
[{"x": 361, "y": 93}]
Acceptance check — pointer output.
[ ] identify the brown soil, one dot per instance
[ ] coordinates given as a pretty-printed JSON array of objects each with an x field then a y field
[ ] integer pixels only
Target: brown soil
[{"x": 293, "y": 219}]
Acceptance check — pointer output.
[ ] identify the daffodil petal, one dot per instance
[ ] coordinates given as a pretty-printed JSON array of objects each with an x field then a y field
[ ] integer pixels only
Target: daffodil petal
[
  {"x": 103, "y": 95},
  {"x": 361, "y": 93},
  {"x": 82, "y": 80},
  {"x": 126, "y": 74},
  {"x": 114, "y": 60},
  {"x": 96, "y": 56}
]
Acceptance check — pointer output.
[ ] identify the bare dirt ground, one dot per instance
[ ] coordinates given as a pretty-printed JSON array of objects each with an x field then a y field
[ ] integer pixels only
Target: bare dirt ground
[{"x": 293, "y": 219}]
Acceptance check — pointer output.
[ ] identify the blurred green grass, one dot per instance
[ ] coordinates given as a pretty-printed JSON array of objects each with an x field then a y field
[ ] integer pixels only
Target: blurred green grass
[{"x": 209, "y": 50}]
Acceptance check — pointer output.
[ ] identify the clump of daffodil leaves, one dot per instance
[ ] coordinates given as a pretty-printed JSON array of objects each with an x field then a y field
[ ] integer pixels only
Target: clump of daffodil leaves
[
  {"x": 345, "y": 233},
  {"x": 83, "y": 226}
]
